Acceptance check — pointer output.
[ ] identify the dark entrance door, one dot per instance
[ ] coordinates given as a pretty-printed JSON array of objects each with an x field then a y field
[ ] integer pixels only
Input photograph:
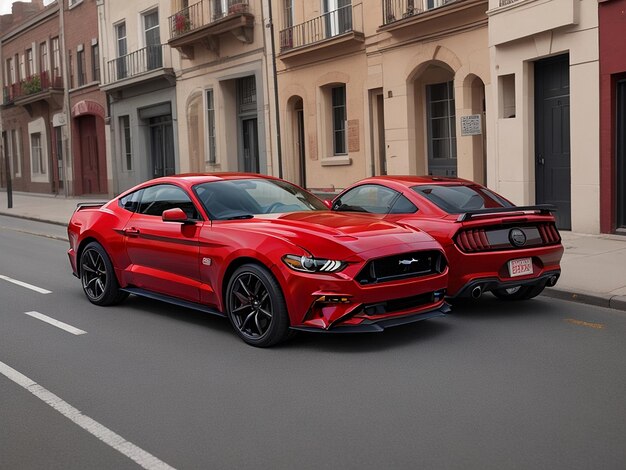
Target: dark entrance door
[
  {"x": 552, "y": 137},
  {"x": 162, "y": 146},
  {"x": 620, "y": 153},
  {"x": 441, "y": 129},
  {"x": 250, "y": 146},
  {"x": 89, "y": 155}
]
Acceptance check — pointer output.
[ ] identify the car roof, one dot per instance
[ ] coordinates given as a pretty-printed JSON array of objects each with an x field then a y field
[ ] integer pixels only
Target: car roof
[
  {"x": 195, "y": 178},
  {"x": 410, "y": 180}
]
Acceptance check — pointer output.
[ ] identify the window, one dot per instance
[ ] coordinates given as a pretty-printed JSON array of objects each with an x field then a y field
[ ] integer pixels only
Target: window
[
  {"x": 19, "y": 59},
  {"x": 374, "y": 199},
  {"x": 37, "y": 162},
  {"x": 16, "y": 152},
  {"x": 130, "y": 202},
  {"x": 211, "y": 126},
  {"x": 120, "y": 34},
  {"x": 95, "y": 62},
  {"x": 220, "y": 8},
  {"x": 127, "y": 155},
  {"x": 288, "y": 9},
  {"x": 29, "y": 63},
  {"x": 152, "y": 37},
  {"x": 43, "y": 57},
  {"x": 10, "y": 72},
  {"x": 157, "y": 199},
  {"x": 460, "y": 198},
  {"x": 339, "y": 119},
  {"x": 441, "y": 122},
  {"x": 80, "y": 66},
  {"x": 56, "y": 59}
]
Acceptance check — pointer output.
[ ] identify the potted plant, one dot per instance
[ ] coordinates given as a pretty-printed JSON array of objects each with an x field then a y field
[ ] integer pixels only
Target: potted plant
[
  {"x": 182, "y": 23},
  {"x": 237, "y": 8},
  {"x": 32, "y": 85}
]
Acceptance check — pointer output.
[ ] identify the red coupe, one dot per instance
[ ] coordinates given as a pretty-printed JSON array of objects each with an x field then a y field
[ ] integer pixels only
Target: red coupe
[
  {"x": 491, "y": 244},
  {"x": 263, "y": 252}
]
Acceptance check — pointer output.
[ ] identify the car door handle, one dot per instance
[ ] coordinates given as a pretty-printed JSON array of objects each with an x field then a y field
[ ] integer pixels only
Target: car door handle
[{"x": 131, "y": 232}]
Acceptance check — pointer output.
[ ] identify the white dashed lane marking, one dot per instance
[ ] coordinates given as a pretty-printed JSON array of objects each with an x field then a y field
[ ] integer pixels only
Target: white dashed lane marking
[
  {"x": 57, "y": 323},
  {"x": 117, "y": 442},
  {"x": 26, "y": 285}
]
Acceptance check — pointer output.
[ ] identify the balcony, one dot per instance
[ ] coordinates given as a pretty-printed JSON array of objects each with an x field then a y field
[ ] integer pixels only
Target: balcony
[
  {"x": 399, "y": 14},
  {"x": 204, "y": 22},
  {"x": 138, "y": 67},
  {"x": 37, "y": 87},
  {"x": 338, "y": 26}
]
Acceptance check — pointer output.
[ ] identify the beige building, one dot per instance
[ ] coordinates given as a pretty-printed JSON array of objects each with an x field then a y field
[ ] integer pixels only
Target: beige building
[
  {"x": 373, "y": 87},
  {"x": 223, "y": 92},
  {"x": 545, "y": 70}
]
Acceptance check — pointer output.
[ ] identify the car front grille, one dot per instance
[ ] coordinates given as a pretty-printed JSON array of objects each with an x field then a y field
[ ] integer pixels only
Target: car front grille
[
  {"x": 498, "y": 238},
  {"x": 406, "y": 265}
]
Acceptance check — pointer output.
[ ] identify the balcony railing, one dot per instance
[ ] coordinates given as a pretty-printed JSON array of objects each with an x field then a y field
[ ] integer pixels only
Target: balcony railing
[
  {"x": 136, "y": 63},
  {"x": 32, "y": 85},
  {"x": 395, "y": 10},
  {"x": 329, "y": 25},
  {"x": 204, "y": 13}
]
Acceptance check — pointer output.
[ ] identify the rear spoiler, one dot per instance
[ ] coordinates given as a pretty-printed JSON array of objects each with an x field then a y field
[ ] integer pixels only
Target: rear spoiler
[
  {"x": 509, "y": 211},
  {"x": 84, "y": 205}
]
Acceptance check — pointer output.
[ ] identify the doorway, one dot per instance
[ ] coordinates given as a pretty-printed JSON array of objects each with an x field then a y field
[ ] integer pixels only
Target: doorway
[
  {"x": 90, "y": 168},
  {"x": 552, "y": 137},
  {"x": 620, "y": 154},
  {"x": 162, "y": 146},
  {"x": 250, "y": 145}
]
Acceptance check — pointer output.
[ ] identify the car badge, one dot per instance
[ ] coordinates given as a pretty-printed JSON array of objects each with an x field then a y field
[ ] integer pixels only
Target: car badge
[
  {"x": 408, "y": 262},
  {"x": 517, "y": 237},
  {"x": 206, "y": 261}
]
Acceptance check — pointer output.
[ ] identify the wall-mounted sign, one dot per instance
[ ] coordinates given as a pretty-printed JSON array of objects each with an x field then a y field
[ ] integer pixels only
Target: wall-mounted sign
[
  {"x": 471, "y": 125},
  {"x": 59, "y": 120}
]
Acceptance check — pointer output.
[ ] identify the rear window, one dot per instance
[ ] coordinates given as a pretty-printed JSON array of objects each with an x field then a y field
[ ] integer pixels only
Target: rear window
[{"x": 460, "y": 198}]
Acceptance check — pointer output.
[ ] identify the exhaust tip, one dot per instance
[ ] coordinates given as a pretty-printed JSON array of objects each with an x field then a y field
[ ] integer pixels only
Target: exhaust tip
[
  {"x": 477, "y": 292},
  {"x": 552, "y": 281}
]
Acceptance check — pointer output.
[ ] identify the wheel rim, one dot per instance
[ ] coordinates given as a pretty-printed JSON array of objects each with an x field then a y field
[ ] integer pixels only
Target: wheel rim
[
  {"x": 250, "y": 306},
  {"x": 93, "y": 274}
]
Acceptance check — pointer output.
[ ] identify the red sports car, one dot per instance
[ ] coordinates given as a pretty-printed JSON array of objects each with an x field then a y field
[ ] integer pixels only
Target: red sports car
[
  {"x": 491, "y": 244},
  {"x": 263, "y": 252}
]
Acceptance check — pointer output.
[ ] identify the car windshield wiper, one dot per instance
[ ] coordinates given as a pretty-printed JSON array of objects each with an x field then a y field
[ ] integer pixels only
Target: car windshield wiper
[{"x": 239, "y": 217}]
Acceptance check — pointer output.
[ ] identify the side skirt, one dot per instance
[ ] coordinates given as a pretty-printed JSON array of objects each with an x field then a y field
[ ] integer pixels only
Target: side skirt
[{"x": 172, "y": 300}]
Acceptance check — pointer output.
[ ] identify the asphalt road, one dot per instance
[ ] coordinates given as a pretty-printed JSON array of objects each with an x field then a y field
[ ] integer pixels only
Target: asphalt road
[{"x": 533, "y": 385}]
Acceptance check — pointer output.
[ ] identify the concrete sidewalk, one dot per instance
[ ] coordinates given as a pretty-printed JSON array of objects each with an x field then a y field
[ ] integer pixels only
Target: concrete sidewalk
[{"x": 593, "y": 266}]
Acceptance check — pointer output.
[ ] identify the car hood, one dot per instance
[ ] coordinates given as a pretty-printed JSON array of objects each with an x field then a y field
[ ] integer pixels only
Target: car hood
[{"x": 340, "y": 233}]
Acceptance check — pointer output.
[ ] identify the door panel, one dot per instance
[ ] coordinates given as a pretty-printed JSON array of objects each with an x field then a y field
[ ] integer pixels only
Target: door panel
[
  {"x": 89, "y": 155},
  {"x": 552, "y": 137}
]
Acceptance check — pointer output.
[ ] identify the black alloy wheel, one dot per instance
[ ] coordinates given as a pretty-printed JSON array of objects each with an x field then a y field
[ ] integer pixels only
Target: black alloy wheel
[
  {"x": 98, "y": 277},
  {"x": 256, "y": 306}
]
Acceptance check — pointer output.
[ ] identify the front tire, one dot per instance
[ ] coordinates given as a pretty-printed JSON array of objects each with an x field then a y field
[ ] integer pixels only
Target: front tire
[
  {"x": 97, "y": 276},
  {"x": 256, "y": 307}
]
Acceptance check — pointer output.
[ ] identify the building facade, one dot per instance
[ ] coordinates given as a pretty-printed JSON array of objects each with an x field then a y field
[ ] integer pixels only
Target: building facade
[
  {"x": 224, "y": 88},
  {"x": 139, "y": 79},
  {"x": 545, "y": 71},
  {"x": 33, "y": 92},
  {"x": 612, "y": 23},
  {"x": 369, "y": 87}
]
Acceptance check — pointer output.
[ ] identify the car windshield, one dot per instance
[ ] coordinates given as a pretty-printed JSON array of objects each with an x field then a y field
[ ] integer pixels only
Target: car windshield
[
  {"x": 245, "y": 198},
  {"x": 461, "y": 198}
]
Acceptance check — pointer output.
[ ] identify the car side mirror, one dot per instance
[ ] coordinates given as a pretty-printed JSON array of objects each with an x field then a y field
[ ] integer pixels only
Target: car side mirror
[
  {"x": 175, "y": 215},
  {"x": 328, "y": 203}
]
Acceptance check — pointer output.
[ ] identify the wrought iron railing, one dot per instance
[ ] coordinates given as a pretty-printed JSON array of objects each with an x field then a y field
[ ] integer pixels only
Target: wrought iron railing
[
  {"x": 136, "y": 63},
  {"x": 395, "y": 10},
  {"x": 204, "y": 13},
  {"x": 31, "y": 85},
  {"x": 331, "y": 24}
]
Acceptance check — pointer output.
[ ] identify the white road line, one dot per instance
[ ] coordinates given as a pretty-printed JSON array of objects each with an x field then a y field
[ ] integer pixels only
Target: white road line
[
  {"x": 130, "y": 450},
  {"x": 25, "y": 284},
  {"x": 57, "y": 323}
]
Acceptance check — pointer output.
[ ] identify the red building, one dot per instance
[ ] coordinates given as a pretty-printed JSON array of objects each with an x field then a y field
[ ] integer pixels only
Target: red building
[
  {"x": 48, "y": 81},
  {"x": 612, "y": 25}
]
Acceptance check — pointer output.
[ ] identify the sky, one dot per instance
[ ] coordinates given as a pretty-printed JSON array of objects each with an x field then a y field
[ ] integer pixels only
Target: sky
[{"x": 5, "y": 6}]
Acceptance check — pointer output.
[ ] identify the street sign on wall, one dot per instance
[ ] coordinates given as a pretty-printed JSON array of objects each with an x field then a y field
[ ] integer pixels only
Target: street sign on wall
[{"x": 471, "y": 125}]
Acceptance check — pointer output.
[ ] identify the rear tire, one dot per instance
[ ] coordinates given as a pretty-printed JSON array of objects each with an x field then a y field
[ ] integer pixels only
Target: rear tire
[
  {"x": 256, "y": 307},
  {"x": 97, "y": 277}
]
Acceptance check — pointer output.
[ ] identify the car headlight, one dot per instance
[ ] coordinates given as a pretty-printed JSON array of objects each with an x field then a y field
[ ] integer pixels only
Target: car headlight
[{"x": 309, "y": 264}]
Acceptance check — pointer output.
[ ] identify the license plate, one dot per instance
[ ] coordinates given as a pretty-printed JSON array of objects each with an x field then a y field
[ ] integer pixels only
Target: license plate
[{"x": 520, "y": 267}]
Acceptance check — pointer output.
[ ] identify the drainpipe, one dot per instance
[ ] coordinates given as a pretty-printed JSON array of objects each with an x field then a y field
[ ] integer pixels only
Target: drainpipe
[
  {"x": 6, "y": 160},
  {"x": 278, "y": 144},
  {"x": 66, "y": 102}
]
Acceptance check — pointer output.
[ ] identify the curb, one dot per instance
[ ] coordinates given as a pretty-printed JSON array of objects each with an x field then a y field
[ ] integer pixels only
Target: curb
[
  {"x": 34, "y": 219},
  {"x": 616, "y": 302}
]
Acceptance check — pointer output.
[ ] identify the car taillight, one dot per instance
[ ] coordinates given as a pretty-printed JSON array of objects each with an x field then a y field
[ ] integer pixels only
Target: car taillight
[
  {"x": 549, "y": 233},
  {"x": 473, "y": 240}
]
